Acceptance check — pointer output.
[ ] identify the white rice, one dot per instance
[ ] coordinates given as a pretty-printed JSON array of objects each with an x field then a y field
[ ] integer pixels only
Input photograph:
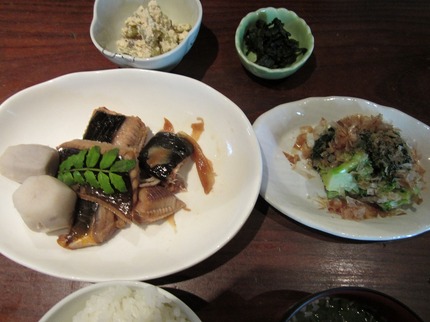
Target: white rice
[{"x": 124, "y": 304}]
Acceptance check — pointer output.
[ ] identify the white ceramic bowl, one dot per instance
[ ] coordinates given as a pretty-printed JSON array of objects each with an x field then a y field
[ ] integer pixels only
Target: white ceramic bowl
[
  {"x": 68, "y": 307},
  {"x": 110, "y": 15}
]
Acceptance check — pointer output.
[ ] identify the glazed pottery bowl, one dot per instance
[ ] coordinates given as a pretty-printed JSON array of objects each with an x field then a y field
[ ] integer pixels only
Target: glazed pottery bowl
[
  {"x": 295, "y": 25},
  {"x": 109, "y": 18}
]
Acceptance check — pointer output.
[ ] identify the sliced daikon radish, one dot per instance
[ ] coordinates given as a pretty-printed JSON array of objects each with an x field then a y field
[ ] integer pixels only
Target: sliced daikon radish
[
  {"x": 19, "y": 162},
  {"x": 45, "y": 203}
]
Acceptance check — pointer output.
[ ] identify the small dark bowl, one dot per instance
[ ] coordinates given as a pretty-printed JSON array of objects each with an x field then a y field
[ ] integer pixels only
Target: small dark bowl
[{"x": 386, "y": 307}]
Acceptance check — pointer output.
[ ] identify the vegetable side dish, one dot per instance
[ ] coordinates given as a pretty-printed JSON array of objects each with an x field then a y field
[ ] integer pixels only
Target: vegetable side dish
[
  {"x": 272, "y": 44},
  {"x": 149, "y": 32},
  {"x": 117, "y": 174},
  {"x": 367, "y": 169}
]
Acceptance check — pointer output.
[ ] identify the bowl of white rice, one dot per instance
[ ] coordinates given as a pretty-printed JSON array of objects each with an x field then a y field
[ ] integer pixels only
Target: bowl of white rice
[{"x": 124, "y": 301}]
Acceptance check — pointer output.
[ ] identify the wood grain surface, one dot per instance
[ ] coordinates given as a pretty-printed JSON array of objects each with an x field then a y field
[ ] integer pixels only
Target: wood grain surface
[{"x": 376, "y": 50}]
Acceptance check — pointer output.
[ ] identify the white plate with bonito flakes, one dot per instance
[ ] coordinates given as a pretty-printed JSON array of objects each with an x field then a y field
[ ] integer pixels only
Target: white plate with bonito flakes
[{"x": 297, "y": 190}]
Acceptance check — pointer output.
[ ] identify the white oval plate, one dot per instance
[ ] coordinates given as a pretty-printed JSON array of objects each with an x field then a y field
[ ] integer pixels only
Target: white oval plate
[
  {"x": 68, "y": 307},
  {"x": 58, "y": 110},
  {"x": 296, "y": 197}
]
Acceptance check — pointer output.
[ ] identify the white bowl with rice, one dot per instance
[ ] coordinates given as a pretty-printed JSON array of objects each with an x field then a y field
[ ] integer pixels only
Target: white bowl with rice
[
  {"x": 147, "y": 28},
  {"x": 120, "y": 301}
]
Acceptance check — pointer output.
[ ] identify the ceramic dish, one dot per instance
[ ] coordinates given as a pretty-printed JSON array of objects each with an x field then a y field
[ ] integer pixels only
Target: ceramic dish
[
  {"x": 108, "y": 20},
  {"x": 68, "y": 307},
  {"x": 381, "y": 305},
  {"x": 297, "y": 197},
  {"x": 295, "y": 25},
  {"x": 58, "y": 110}
]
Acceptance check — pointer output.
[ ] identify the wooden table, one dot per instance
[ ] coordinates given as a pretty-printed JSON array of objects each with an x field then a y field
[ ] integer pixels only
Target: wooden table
[{"x": 377, "y": 50}]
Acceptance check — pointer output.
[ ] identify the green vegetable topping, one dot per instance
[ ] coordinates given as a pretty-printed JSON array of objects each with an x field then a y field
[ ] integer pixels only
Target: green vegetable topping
[
  {"x": 343, "y": 178},
  {"x": 272, "y": 44},
  {"x": 100, "y": 171},
  {"x": 366, "y": 159}
]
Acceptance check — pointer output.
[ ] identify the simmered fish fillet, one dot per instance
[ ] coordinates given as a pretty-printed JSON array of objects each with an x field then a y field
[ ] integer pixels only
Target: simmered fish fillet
[
  {"x": 112, "y": 127},
  {"x": 92, "y": 225},
  {"x": 120, "y": 203},
  {"x": 155, "y": 203},
  {"x": 100, "y": 225}
]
